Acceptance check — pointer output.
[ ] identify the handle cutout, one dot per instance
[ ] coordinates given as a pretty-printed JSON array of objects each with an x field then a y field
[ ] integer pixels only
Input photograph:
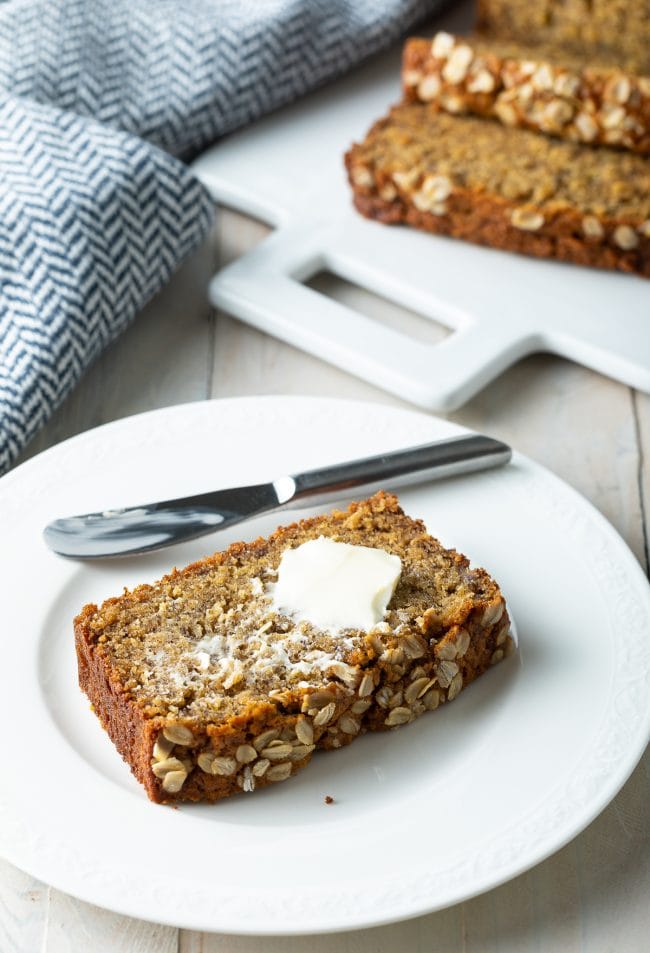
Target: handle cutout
[{"x": 412, "y": 325}]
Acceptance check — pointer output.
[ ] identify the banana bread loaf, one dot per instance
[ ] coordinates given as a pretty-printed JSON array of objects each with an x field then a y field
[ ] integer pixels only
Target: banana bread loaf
[
  {"x": 533, "y": 87},
  {"x": 594, "y": 28},
  {"x": 475, "y": 179},
  {"x": 206, "y": 690}
]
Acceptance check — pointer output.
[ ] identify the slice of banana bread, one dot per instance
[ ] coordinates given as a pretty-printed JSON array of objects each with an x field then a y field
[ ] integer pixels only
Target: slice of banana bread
[
  {"x": 596, "y": 28},
  {"x": 206, "y": 690},
  {"x": 475, "y": 179},
  {"x": 532, "y": 87}
]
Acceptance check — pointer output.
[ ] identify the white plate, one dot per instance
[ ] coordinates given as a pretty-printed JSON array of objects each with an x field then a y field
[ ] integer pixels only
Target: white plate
[{"x": 423, "y": 817}]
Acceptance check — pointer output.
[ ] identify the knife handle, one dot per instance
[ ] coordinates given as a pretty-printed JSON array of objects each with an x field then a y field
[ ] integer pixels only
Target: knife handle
[{"x": 430, "y": 461}]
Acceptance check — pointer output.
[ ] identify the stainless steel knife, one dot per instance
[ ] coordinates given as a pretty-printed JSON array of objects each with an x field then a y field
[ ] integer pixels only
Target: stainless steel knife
[{"x": 140, "y": 529}]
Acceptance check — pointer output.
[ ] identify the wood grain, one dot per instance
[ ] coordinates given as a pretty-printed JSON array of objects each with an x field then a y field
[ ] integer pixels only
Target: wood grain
[
  {"x": 73, "y": 926},
  {"x": 594, "y": 433},
  {"x": 641, "y": 405},
  {"x": 23, "y": 910},
  {"x": 575, "y": 422}
]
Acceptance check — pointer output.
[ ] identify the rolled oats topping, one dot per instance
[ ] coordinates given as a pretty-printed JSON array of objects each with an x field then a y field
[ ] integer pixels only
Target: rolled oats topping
[
  {"x": 626, "y": 238},
  {"x": 173, "y": 781},
  {"x": 455, "y": 686},
  {"x": 245, "y": 754},
  {"x": 363, "y": 177},
  {"x": 349, "y": 725},
  {"x": 431, "y": 700},
  {"x": 161, "y": 768},
  {"x": 178, "y": 734},
  {"x": 398, "y": 716},
  {"x": 162, "y": 748},
  {"x": 457, "y": 66},
  {"x": 429, "y": 87},
  {"x": 276, "y": 751},
  {"x": 586, "y": 126},
  {"x": 223, "y": 766},
  {"x": 481, "y": 81},
  {"x": 304, "y": 731},
  {"x": 442, "y": 45},
  {"x": 279, "y": 772},
  {"x": 265, "y": 738},
  {"x": 560, "y": 92},
  {"x": 462, "y": 642},
  {"x": 437, "y": 187},
  {"x": 592, "y": 227},
  {"x": 325, "y": 715},
  {"x": 528, "y": 220}
]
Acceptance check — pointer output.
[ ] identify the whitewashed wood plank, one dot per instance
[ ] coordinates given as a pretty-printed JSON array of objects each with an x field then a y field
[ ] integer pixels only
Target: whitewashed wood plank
[
  {"x": 23, "y": 910},
  {"x": 614, "y": 869},
  {"x": 249, "y": 362},
  {"x": 73, "y": 926},
  {"x": 441, "y": 932},
  {"x": 235, "y": 234},
  {"x": 557, "y": 921}
]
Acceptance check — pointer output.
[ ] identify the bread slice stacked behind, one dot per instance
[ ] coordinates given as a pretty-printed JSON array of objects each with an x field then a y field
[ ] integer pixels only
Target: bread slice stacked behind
[
  {"x": 539, "y": 88},
  {"x": 512, "y": 189},
  {"x": 615, "y": 30},
  {"x": 525, "y": 146}
]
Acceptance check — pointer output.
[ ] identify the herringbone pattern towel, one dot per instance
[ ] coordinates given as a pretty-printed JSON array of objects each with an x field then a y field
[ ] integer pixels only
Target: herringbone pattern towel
[{"x": 99, "y": 102}]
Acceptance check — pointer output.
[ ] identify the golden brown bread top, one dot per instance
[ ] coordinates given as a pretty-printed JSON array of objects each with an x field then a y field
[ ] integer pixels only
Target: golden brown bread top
[{"x": 415, "y": 147}]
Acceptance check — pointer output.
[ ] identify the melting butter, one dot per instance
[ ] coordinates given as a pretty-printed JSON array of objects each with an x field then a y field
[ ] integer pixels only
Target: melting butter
[{"x": 336, "y": 585}]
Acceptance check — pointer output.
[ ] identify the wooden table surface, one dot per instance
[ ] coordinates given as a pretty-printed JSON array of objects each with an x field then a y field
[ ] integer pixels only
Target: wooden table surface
[{"x": 592, "y": 896}]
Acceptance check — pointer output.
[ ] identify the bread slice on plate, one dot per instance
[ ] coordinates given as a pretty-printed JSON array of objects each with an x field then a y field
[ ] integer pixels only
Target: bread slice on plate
[
  {"x": 531, "y": 87},
  {"x": 476, "y": 179},
  {"x": 207, "y": 689}
]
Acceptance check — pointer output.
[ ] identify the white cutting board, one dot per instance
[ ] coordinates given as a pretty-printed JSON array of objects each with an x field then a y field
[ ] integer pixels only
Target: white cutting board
[{"x": 287, "y": 170}]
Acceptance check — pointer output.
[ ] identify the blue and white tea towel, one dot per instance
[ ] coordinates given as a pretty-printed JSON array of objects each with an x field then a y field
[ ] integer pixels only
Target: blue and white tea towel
[{"x": 100, "y": 100}]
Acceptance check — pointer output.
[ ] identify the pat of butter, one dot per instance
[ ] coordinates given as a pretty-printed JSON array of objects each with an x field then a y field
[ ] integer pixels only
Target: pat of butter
[{"x": 336, "y": 585}]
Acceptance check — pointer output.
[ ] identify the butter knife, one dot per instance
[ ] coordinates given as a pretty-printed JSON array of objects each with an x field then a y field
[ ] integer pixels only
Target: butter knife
[{"x": 150, "y": 526}]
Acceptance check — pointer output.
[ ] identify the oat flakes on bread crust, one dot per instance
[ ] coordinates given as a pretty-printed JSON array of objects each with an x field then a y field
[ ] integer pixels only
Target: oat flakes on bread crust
[
  {"x": 206, "y": 691},
  {"x": 573, "y": 97}
]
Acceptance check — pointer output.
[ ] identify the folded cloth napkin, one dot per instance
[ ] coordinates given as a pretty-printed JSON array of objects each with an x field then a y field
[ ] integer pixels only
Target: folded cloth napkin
[{"x": 99, "y": 102}]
